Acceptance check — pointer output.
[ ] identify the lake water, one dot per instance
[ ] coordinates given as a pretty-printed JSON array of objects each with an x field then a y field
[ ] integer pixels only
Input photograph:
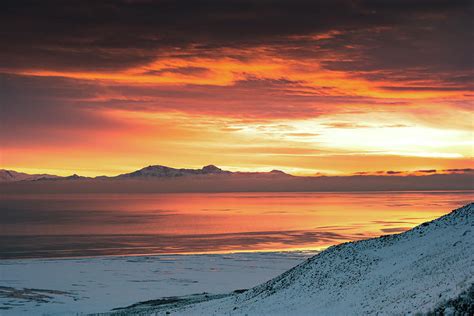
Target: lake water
[{"x": 123, "y": 224}]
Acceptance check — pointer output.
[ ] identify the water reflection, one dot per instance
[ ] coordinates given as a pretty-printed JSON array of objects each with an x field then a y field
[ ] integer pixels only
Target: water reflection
[{"x": 103, "y": 224}]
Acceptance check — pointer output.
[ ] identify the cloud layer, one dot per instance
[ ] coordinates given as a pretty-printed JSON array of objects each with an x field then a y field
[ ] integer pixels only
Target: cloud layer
[{"x": 100, "y": 79}]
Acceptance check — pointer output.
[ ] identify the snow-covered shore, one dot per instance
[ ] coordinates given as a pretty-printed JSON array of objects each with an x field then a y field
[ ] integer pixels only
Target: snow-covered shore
[
  {"x": 87, "y": 285},
  {"x": 408, "y": 273}
]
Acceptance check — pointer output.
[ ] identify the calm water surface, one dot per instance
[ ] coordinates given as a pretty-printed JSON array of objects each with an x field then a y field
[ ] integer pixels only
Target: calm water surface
[{"x": 121, "y": 224}]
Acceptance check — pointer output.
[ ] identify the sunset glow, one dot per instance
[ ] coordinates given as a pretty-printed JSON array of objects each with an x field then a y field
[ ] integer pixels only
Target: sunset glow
[
  {"x": 381, "y": 89},
  {"x": 236, "y": 157}
]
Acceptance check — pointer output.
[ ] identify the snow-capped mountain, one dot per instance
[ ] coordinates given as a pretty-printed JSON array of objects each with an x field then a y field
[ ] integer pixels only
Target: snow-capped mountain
[
  {"x": 10, "y": 176},
  {"x": 163, "y": 171},
  {"x": 423, "y": 269}
]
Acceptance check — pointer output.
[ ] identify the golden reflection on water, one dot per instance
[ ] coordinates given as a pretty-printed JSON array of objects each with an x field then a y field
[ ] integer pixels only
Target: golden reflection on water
[{"x": 228, "y": 221}]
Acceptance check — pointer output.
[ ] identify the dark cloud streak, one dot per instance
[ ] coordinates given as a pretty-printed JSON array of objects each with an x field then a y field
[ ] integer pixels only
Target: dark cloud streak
[{"x": 112, "y": 35}]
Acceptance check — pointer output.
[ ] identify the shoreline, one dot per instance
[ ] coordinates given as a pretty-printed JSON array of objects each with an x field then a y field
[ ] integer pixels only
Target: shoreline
[
  {"x": 238, "y": 184},
  {"x": 210, "y": 253}
]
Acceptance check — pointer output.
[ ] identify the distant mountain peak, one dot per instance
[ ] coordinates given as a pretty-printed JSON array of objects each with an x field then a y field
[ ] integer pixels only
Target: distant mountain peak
[
  {"x": 275, "y": 171},
  {"x": 163, "y": 171},
  {"x": 154, "y": 168},
  {"x": 74, "y": 177},
  {"x": 211, "y": 169}
]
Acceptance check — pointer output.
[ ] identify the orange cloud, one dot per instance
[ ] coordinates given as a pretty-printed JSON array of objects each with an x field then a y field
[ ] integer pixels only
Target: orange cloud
[{"x": 327, "y": 87}]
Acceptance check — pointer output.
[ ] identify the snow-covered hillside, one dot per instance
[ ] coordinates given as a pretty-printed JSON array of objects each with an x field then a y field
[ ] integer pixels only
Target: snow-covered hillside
[{"x": 408, "y": 273}]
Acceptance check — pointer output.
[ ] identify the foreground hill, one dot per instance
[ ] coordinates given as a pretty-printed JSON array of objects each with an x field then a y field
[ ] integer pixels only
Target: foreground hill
[{"x": 429, "y": 267}]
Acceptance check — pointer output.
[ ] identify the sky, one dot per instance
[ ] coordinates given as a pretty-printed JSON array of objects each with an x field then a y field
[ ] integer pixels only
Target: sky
[{"x": 308, "y": 87}]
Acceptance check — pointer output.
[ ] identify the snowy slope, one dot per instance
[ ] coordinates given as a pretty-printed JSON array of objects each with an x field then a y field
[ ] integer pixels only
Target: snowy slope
[{"x": 399, "y": 274}]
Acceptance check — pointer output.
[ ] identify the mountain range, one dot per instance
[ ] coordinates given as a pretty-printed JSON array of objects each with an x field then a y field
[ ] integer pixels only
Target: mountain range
[
  {"x": 150, "y": 172},
  {"x": 11, "y": 176},
  {"x": 162, "y": 179}
]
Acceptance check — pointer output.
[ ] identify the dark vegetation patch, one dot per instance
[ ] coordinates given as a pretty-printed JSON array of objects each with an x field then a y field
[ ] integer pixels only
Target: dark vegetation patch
[
  {"x": 35, "y": 295},
  {"x": 240, "y": 291},
  {"x": 463, "y": 305}
]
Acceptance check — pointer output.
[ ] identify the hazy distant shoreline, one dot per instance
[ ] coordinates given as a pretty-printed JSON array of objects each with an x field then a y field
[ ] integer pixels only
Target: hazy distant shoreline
[{"x": 247, "y": 183}]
